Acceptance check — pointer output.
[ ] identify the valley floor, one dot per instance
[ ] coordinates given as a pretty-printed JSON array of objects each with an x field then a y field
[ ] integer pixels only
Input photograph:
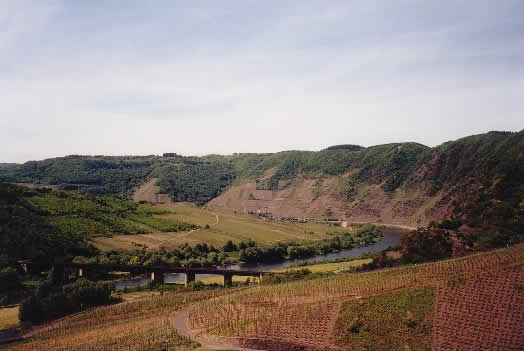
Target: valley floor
[{"x": 223, "y": 226}]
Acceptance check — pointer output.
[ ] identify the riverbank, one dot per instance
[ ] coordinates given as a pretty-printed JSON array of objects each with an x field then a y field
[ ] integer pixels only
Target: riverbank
[{"x": 390, "y": 239}]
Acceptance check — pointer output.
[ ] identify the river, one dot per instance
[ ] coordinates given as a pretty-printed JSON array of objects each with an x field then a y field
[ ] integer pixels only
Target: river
[{"x": 391, "y": 238}]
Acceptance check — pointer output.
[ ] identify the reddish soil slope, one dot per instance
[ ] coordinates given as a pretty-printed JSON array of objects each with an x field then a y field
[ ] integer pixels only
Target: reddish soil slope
[
  {"x": 485, "y": 313},
  {"x": 303, "y": 198}
]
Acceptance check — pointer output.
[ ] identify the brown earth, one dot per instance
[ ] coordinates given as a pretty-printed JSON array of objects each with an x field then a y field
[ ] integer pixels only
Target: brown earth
[
  {"x": 484, "y": 313},
  {"x": 150, "y": 192},
  {"x": 405, "y": 206},
  {"x": 479, "y": 306}
]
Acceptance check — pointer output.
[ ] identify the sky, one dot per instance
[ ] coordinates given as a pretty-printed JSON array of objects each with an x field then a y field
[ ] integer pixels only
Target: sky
[{"x": 201, "y": 77}]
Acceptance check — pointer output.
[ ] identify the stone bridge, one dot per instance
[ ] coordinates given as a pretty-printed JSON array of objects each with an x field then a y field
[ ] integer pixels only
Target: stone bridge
[{"x": 62, "y": 269}]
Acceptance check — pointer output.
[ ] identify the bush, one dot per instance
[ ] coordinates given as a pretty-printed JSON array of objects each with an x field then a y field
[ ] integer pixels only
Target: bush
[
  {"x": 9, "y": 279},
  {"x": 230, "y": 247},
  {"x": 196, "y": 285},
  {"x": 50, "y": 303},
  {"x": 451, "y": 224},
  {"x": 32, "y": 310},
  {"x": 287, "y": 276}
]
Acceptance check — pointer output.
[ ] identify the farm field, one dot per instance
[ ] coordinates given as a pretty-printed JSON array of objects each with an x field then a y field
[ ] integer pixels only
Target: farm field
[
  {"x": 9, "y": 317},
  {"x": 223, "y": 226},
  {"x": 304, "y": 314},
  {"x": 468, "y": 311}
]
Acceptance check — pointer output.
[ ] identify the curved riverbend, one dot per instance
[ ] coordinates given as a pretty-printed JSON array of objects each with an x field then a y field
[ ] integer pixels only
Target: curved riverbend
[{"x": 391, "y": 238}]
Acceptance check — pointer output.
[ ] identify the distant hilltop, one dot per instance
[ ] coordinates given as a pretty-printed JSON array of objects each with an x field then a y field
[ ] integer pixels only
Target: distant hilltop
[
  {"x": 169, "y": 154},
  {"x": 398, "y": 183},
  {"x": 348, "y": 147}
]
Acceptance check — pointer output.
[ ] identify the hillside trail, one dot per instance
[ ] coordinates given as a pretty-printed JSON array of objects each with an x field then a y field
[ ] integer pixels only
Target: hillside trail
[
  {"x": 185, "y": 234},
  {"x": 179, "y": 321}
]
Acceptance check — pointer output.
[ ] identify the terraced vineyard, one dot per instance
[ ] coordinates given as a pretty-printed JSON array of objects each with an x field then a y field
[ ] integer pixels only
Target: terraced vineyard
[
  {"x": 485, "y": 312},
  {"x": 141, "y": 324},
  {"x": 304, "y": 313},
  {"x": 469, "y": 303}
]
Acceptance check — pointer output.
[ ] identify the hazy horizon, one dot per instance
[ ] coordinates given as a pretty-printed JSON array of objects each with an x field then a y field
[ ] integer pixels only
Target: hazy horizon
[
  {"x": 205, "y": 77},
  {"x": 261, "y": 152}
]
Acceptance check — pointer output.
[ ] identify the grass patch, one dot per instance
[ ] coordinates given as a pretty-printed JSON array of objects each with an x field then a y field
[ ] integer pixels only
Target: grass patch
[
  {"x": 162, "y": 224},
  {"x": 220, "y": 280},
  {"x": 331, "y": 267},
  {"x": 396, "y": 321}
]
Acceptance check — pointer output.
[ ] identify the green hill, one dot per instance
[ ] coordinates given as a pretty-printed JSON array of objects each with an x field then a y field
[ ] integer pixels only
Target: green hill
[
  {"x": 455, "y": 165},
  {"x": 39, "y": 224}
]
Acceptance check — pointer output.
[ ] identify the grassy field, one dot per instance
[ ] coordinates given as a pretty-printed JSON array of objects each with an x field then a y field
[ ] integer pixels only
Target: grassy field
[
  {"x": 331, "y": 267},
  {"x": 9, "y": 317},
  {"x": 223, "y": 226},
  {"x": 220, "y": 280}
]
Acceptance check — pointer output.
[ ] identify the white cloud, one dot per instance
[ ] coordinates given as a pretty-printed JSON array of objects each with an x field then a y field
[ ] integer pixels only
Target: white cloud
[{"x": 277, "y": 87}]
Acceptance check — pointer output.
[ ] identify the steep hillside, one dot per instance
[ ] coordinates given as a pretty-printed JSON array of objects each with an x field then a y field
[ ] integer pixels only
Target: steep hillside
[
  {"x": 190, "y": 179},
  {"x": 470, "y": 303},
  {"x": 93, "y": 174},
  {"x": 401, "y": 183},
  {"x": 39, "y": 224},
  {"x": 397, "y": 183}
]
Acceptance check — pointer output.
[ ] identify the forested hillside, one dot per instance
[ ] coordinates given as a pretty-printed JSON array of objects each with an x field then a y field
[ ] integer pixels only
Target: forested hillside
[
  {"x": 40, "y": 224},
  {"x": 401, "y": 182},
  {"x": 93, "y": 174},
  {"x": 201, "y": 179}
]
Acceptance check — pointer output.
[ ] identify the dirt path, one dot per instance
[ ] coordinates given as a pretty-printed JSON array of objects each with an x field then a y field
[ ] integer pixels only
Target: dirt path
[
  {"x": 179, "y": 321},
  {"x": 185, "y": 234}
]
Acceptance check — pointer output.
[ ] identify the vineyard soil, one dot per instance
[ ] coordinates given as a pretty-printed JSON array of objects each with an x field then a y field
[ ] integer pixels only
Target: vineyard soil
[{"x": 303, "y": 313}]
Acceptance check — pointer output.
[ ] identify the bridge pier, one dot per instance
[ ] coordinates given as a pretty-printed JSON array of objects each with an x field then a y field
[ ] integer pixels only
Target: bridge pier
[
  {"x": 157, "y": 277},
  {"x": 81, "y": 272},
  {"x": 190, "y": 277},
  {"x": 228, "y": 280}
]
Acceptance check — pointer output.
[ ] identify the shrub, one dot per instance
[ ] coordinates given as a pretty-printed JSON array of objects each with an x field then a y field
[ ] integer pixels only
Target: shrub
[{"x": 50, "y": 303}]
